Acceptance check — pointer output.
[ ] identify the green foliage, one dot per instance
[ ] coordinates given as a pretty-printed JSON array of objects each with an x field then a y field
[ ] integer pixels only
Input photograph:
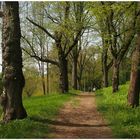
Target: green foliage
[
  {"x": 124, "y": 121},
  {"x": 31, "y": 81},
  {"x": 75, "y": 91},
  {"x": 92, "y": 73},
  {"x": 41, "y": 111}
]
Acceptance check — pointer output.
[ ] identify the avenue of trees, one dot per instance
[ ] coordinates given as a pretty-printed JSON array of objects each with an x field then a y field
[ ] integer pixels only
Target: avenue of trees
[{"x": 58, "y": 46}]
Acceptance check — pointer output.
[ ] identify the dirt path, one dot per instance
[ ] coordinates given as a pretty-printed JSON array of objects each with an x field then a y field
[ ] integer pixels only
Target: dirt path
[{"x": 80, "y": 119}]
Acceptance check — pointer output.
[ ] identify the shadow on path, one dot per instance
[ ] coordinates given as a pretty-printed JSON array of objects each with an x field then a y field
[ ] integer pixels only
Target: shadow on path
[{"x": 68, "y": 124}]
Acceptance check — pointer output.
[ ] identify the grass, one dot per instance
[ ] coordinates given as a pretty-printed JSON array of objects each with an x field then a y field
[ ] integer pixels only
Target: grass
[
  {"x": 124, "y": 121},
  {"x": 75, "y": 91},
  {"x": 41, "y": 111}
]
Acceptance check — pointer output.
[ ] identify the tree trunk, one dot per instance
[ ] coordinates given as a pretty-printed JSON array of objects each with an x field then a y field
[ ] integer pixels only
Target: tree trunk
[
  {"x": 43, "y": 84},
  {"x": 74, "y": 73},
  {"x": 134, "y": 88},
  {"x": 105, "y": 77},
  {"x": 13, "y": 79},
  {"x": 63, "y": 66},
  {"x": 115, "y": 78},
  {"x": 63, "y": 69},
  {"x": 105, "y": 68},
  {"x": 47, "y": 70},
  {"x": 80, "y": 77},
  {"x": 47, "y": 78},
  {"x": 43, "y": 78},
  {"x": 63, "y": 75},
  {"x": 79, "y": 84}
]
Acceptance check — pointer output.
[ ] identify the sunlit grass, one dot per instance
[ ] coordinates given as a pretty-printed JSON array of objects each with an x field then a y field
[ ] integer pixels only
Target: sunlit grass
[{"x": 124, "y": 121}]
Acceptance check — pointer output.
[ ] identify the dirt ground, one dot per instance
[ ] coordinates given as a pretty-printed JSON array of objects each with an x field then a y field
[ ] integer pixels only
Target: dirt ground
[{"x": 79, "y": 118}]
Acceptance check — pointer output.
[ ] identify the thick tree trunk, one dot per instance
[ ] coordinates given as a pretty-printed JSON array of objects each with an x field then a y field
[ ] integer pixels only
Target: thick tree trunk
[
  {"x": 63, "y": 75},
  {"x": 134, "y": 88},
  {"x": 13, "y": 79},
  {"x": 63, "y": 67},
  {"x": 115, "y": 77},
  {"x": 74, "y": 73}
]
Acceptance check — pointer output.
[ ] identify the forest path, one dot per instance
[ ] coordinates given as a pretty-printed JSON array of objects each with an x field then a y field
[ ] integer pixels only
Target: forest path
[{"x": 79, "y": 118}]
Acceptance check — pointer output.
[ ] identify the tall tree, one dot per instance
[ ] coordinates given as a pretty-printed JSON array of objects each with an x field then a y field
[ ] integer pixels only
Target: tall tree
[
  {"x": 134, "y": 88},
  {"x": 100, "y": 12},
  {"x": 106, "y": 64},
  {"x": 79, "y": 18},
  {"x": 13, "y": 79},
  {"x": 120, "y": 35},
  {"x": 62, "y": 35}
]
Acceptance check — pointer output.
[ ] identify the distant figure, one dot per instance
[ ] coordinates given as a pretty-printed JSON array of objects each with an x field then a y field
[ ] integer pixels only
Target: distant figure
[{"x": 94, "y": 89}]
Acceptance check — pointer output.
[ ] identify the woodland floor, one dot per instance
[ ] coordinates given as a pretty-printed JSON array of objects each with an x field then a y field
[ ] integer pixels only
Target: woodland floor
[{"x": 79, "y": 118}]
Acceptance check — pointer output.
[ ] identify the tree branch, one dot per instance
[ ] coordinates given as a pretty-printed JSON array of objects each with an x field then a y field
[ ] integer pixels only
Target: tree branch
[
  {"x": 130, "y": 37},
  {"x": 42, "y": 59},
  {"x": 28, "y": 42},
  {"x": 110, "y": 64},
  {"x": 42, "y": 28},
  {"x": 74, "y": 42},
  {"x": 54, "y": 20}
]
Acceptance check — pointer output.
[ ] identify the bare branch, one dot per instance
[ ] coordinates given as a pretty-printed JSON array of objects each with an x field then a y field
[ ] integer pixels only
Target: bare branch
[
  {"x": 42, "y": 28},
  {"x": 42, "y": 59},
  {"x": 54, "y": 20},
  {"x": 28, "y": 42}
]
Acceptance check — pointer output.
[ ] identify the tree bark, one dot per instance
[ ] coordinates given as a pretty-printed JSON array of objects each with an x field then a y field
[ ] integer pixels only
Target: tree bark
[
  {"x": 63, "y": 75},
  {"x": 74, "y": 73},
  {"x": 134, "y": 88},
  {"x": 115, "y": 77},
  {"x": 43, "y": 84},
  {"x": 43, "y": 78},
  {"x": 80, "y": 78},
  {"x": 47, "y": 78},
  {"x": 13, "y": 79},
  {"x": 63, "y": 67},
  {"x": 105, "y": 77},
  {"x": 105, "y": 68}
]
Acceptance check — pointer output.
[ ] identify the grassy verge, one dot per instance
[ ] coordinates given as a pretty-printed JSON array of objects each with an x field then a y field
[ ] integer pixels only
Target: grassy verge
[
  {"x": 75, "y": 91},
  {"x": 124, "y": 121},
  {"x": 41, "y": 110}
]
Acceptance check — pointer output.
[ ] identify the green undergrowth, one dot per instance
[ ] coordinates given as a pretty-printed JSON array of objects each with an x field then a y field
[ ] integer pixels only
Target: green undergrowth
[
  {"x": 75, "y": 91},
  {"x": 124, "y": 121},
  {"x": 41, "y": 112}
]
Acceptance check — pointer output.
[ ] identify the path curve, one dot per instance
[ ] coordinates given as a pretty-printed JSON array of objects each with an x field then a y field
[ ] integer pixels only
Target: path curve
[{"x": 79, "y": 118}]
